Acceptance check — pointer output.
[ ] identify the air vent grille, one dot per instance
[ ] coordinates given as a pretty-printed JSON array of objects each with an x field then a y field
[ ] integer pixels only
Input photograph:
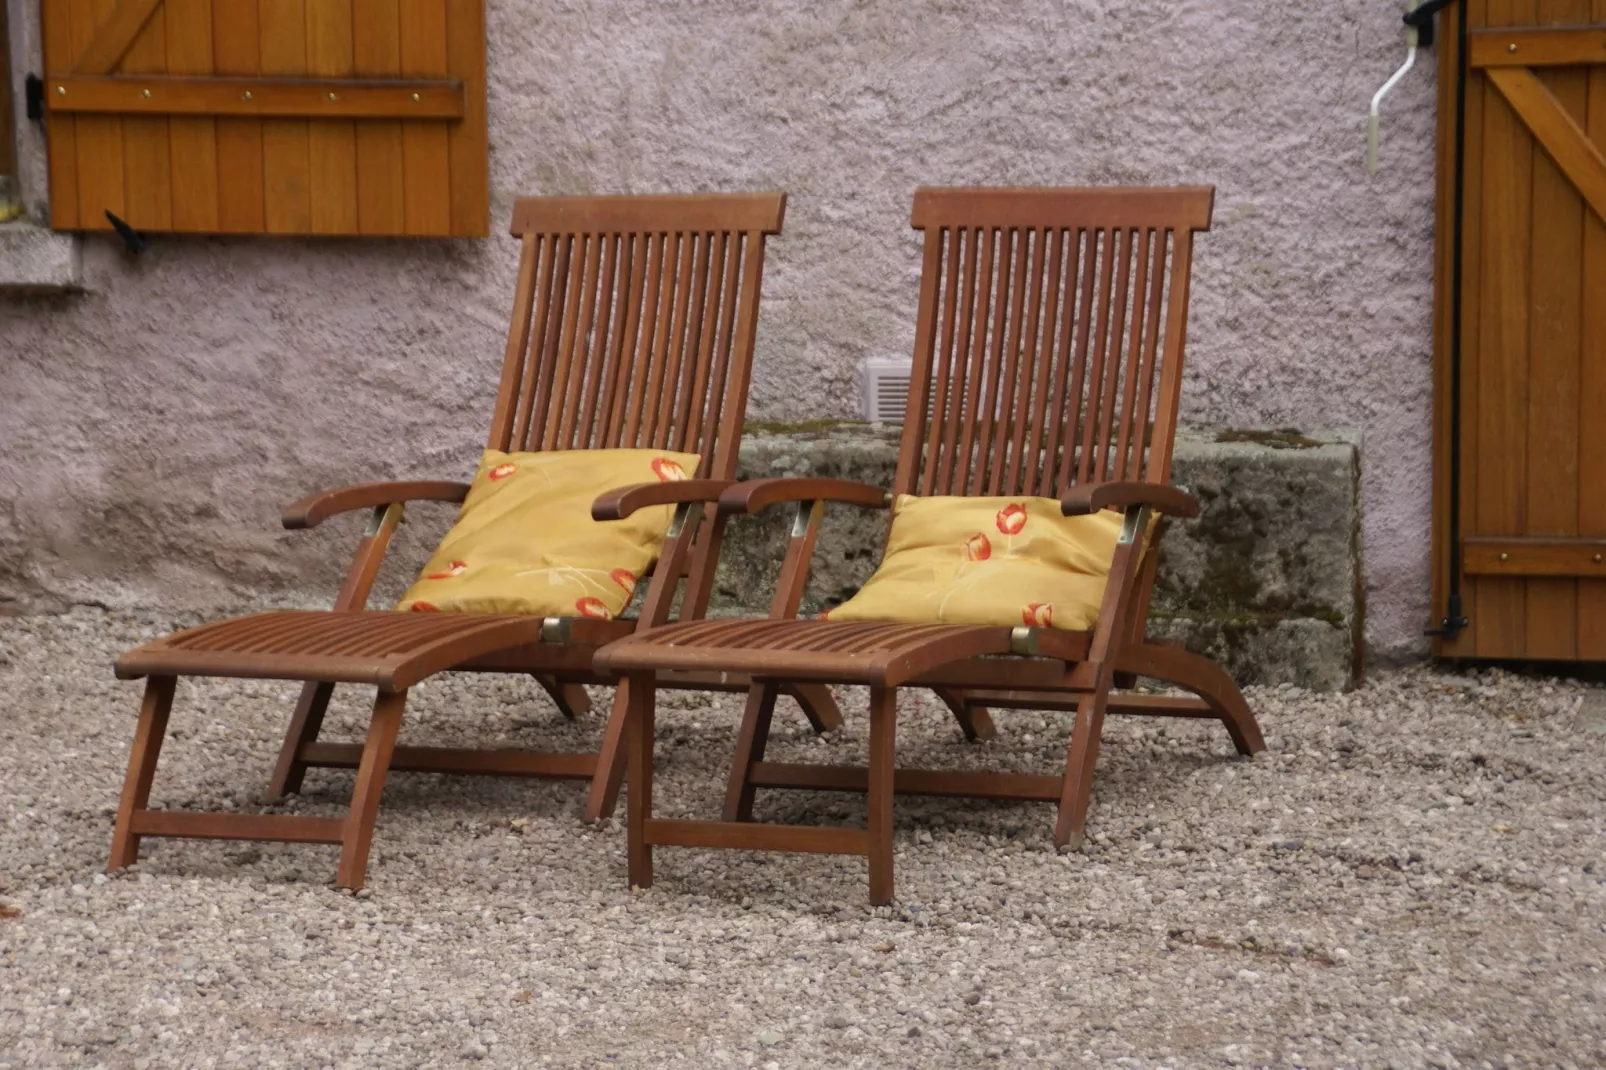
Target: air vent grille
[{"x": 886, "y": 390}]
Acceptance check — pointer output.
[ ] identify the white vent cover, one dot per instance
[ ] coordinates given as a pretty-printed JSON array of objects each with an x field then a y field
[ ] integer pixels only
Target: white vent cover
[{"x": 886, "y": 390}]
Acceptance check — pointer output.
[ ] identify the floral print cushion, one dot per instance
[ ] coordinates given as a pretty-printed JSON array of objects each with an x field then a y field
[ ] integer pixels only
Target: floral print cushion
[
  {"x": 1011, "y": 561},
  {"x": 525, "y": 542}
]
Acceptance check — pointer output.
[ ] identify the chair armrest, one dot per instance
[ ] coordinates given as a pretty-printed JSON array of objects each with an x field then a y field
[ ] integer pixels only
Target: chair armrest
[
  {"x": 1091, "y": 497},
  {"x": 756, "y": 494},
  {"x": 311, "y": 511},
  {"x": 620, "y": 502}
]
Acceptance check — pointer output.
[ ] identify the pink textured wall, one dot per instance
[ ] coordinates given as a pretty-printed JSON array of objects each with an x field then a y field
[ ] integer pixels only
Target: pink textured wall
[{"x": 150, "y": 428}]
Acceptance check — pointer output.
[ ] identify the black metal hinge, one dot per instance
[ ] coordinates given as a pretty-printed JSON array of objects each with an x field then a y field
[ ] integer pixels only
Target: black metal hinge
[
  {"x": 1422, "y": 19},
  {"x": 1454, "y": 621},
  {"x": 34, "y": 94}
]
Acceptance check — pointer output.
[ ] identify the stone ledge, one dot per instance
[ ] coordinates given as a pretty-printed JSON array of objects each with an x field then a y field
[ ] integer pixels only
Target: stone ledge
[
  {"x": 36, "y": 260},
  {"x": 1267, "y": 580}
]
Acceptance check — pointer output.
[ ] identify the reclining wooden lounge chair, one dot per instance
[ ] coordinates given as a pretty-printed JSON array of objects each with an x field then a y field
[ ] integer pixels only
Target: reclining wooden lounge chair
[
  {"x": 1048, "y": 359},
  {"x": 633, "y": 326}
]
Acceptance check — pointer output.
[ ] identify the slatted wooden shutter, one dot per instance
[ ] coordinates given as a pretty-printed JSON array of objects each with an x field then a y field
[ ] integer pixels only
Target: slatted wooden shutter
[
  {"x": 1532, "y": 521},
  {"x": 339, "y": 117}
]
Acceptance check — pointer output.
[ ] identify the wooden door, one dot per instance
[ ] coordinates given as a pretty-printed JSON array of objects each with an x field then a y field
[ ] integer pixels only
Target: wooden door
[
  {"x": 268, "y": 116},
  {"x": 1531, "y": 529}
]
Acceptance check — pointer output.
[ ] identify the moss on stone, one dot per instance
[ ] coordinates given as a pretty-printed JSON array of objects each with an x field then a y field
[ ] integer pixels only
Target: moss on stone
[
  {"x": 1282, "y": 438},
  {"x": 793, "y": 427}
]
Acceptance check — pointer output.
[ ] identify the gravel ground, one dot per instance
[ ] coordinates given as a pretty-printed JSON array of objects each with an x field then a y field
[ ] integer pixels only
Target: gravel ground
[{"x": 1412, "y": 876}]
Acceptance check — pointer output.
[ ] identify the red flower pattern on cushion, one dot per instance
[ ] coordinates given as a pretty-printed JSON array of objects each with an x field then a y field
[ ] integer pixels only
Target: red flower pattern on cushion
[
  {"x": 456, "y": 568},
  {"x": 668, "y": 471},
  {"x": 502, "y": 471},
  {"x": 424, "y": 607},
  {"x": 624, "y": 578},
  {"x": 592, "y": 607},
  {"x": 977, "y": 548},
  {"x": 1038, "y": 615},
  {"x": 1011, "y": 518}
]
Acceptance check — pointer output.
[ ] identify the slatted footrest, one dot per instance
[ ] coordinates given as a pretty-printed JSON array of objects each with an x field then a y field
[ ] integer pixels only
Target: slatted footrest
[
  {"x": 460, "y": 760},
  {"x": 199, "y": 825},
  {"x": 744, "y": 835},
  {"x": 975, "y": 785}
]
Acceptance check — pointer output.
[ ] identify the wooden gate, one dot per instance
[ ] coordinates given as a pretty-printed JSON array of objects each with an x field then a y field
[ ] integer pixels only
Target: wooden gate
[
  {"x": 1528, "y": 541},
  {"x": 268, "y": 116}
]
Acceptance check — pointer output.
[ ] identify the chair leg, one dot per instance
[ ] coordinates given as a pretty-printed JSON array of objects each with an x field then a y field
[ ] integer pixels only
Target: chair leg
[
  {"x": 571, "y": 699},
  {"x": 603, "y": 797},
  {"x": 751, "y": 738},
  {"x": 305, "y": 724},
  {"x": 1207, "y": 680},
  {"x": 819, "y": 706},
  {"x": 1083, "y": 756},
  {"x": 376, "y": 754},
  {"x": 640, "y": 718},
  {"x": 883, "y": 735},
  {"x": 974, "y": 721},
  {"x": 153, "y": 711}
]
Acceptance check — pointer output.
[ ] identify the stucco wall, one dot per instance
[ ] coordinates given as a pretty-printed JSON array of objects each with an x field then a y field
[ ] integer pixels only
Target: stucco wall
[{"x": 150, "y": 429}]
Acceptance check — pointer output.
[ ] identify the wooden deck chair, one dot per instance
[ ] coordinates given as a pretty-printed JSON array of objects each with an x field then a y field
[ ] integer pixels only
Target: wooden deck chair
[
  {"x": 633, "y": 326},
  {"x": 1048, "y": 360}
]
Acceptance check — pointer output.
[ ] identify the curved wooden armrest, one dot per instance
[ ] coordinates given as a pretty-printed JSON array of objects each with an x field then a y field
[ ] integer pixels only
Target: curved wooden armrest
[
  {"x": 620, "y": 502},
  {"x": 756, "y": 494},
  {"x": 311, "y": 511},
  {"x": 1090, "y": 498}
]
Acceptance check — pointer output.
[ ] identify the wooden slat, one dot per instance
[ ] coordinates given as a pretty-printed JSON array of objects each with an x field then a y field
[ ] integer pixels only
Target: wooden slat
[
  {"x": 1097, "y": 207},
  {"x": 1592, "y": 385},
  {"x": 459, "y": 760},
  {"x": 286, "y": 162},
  {"x": 62, "y": 134},
  {"x": 332, "y": 143},
  {"x": 940, "y": 360},
  {"x": 376, "y": 48},
  {"x": 1562, "y": 137},
  {"x": 193, "y": 140},
  {"x": 119, "y": 28},
  {"x": 1479, "y": 96},
  {"x": 1576, "y": 44},
  {"x": 147, "y": 153},
  {"x": 1537, "y": 556},
  {"x": 100, "y": 137},
  {"x": 1551, "y": 612},
  {"x": 8, "y": 135},
  {"x": 202, "y": 826},
  {"x": 744, "y": 835},
  {"x": 325, "y": 99},
  {"x": 427, "y": 201},
  {"x": 1444, "y": 401},
  {"x": 1502, "y": 359},
  {"x": 242, "y": 200},
  {"x": 967, "y": 783},
  {"x": 467, "y": 148},
  {"x": 1019, "y": 475},
  {"x": 1110, "y": 245}
]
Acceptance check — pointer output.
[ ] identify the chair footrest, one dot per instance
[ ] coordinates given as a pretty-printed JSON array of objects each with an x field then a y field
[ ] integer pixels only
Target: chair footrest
[
  {"x": 977, "y": 785},
  {"x": 198, "y": 825},
  {"x": 526, "y": 763},
  {"x": 754, "y": 837}
]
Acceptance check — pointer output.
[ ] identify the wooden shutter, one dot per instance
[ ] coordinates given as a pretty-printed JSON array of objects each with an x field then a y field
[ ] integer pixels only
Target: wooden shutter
[
  {"x": 1532, "y": 434},
  {"x": 268, "y": 116}
]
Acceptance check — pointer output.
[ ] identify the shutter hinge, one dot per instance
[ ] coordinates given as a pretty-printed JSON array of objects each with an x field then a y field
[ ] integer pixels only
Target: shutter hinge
[{"x": 34, "y": 95}]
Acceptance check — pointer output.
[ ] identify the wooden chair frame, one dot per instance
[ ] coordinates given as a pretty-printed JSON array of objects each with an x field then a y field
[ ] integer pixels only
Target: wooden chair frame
[
  {"x": 633, "y": 326},
  {"x": 1048, "y": 362}
]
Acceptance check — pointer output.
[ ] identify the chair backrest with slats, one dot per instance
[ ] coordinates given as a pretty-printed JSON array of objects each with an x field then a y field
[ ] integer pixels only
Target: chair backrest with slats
[
  {"x": 1048, "y": 348},
  {"x": 633, "y": 324}
]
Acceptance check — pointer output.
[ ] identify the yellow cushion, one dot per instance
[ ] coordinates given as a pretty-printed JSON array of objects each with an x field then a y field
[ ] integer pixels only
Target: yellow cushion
[
  {"x": 1011, "y": 561},
  {"x": 525, "y": 542}
]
